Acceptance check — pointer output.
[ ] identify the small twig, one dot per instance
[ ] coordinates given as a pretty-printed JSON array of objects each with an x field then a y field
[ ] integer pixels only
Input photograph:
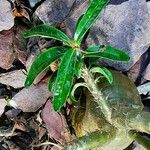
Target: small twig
[{"x": 48, "y": 143}]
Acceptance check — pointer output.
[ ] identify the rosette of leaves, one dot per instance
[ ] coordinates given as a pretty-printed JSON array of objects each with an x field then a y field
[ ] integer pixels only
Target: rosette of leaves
[{"x": 70, "y": 54}]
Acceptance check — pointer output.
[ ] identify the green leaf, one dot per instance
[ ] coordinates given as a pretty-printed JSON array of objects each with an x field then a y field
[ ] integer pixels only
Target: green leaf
[
  {"x": 73, "y": 91},
  {"x": 78, "y": 66},
  {"x": 42, "y": 62},
  {"x": 109, "y": 53},
  {"x": 47, "y": 31},
  {"x": 64, "y": 79},
  {"x": 95, "y": 48},
  {"x": 104, "y": 71},
  {"x": 88, "y": 18},
  {"x": 78, "y": 21},
  {"x": 51, "y": 82}
]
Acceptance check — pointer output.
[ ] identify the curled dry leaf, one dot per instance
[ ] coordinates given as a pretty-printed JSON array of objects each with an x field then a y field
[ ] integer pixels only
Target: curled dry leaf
[
  {"x": 56, "y": 124},
  {"x": 14, "y": 78},
  {"x": 31, "y": 99},
  {"x": 3, "y": 103}
]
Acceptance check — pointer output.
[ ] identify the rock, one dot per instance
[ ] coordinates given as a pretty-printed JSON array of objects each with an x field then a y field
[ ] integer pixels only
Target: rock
[
  {"x": 147, "y": 73},
  {"x": 123, "y": 24},
  {"x": 148, "y": 5},
  {"x": 117, "y": 2},
  {"x": 55, "y": 123},
  {"x": 6, "y": 17},
  {"x": 126, "y": 27},
  {"x": 3, "y": 103},
  {"x": 14, "y": 78},
  {"x": 54, "y": 11},
  {"x": 31, "y": 99},
  {"x": 138, "y": 71},
  {"x": 33, "y": 3},
  {"x": 78, "y": 9}
]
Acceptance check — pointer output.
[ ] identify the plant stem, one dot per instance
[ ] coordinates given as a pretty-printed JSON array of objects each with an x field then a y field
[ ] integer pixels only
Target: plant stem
[
  {"x": 138, "y": 120},
  {"x": 92, "y": 140},
  {"x": 97, "y": 94}
]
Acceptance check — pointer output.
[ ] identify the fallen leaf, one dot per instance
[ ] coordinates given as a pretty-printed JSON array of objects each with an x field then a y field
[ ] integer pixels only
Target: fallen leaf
[
  {"x": 12, "y": 47},
  {"x": 55, "y": 123},
  {"x": 7, "y": 55},
  {"x": 31, "y": 99},
  {"x": 3, "y": 103},
  {"x": 134, "y": 72},
  {"x": 13, "y": 113},
  {"x": 14, "y": 78}
]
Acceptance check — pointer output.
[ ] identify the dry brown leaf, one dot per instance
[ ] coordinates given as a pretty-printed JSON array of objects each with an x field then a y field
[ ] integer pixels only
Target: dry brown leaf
[
  {"x": 55, "y": 123},
  {"x": 31, "y": 99},
  {"x": 14, "y": 78},
  {"x": 13, "y": 113},
  {"x": 134, "y": 72},
  {"x": 3, "y": 103},
  {"x": 7, "y": 56},
  {"x": 12, "y": 47}
]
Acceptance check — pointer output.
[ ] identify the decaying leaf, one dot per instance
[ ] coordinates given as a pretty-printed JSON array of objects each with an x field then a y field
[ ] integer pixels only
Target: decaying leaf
[
  {"x": 14, "y": 78},
  {"x": 55, "y": 123},
  {"x": 31, "y": 99}
]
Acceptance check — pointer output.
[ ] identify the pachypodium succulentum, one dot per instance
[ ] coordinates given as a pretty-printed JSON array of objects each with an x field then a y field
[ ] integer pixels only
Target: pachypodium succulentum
[
  {"x": 119, "y": 117},
  {"x": 70, "y": 54}
]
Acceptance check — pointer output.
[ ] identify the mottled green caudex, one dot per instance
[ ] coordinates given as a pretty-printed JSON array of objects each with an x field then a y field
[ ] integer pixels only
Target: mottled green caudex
[{"x": 113, "y": 108}]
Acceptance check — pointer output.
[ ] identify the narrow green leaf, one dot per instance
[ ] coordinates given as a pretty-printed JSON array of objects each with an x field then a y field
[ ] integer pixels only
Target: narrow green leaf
[
  {"x": 109, "y": 53},
  {"x": 64, "y": 79},
  {"x": 47, "y": 31},
  {"x": 74, "y": 89},
  {"x": 51, "y": 82},
  {"x": 104, "y": 71},
  {"x": 78, "y": 66},
  {"x": 95, "y": 48},
  {"x": 43, "y": 61},
  {"x": 78, "y": 21},
  {"x": 88, "y": 18}
]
